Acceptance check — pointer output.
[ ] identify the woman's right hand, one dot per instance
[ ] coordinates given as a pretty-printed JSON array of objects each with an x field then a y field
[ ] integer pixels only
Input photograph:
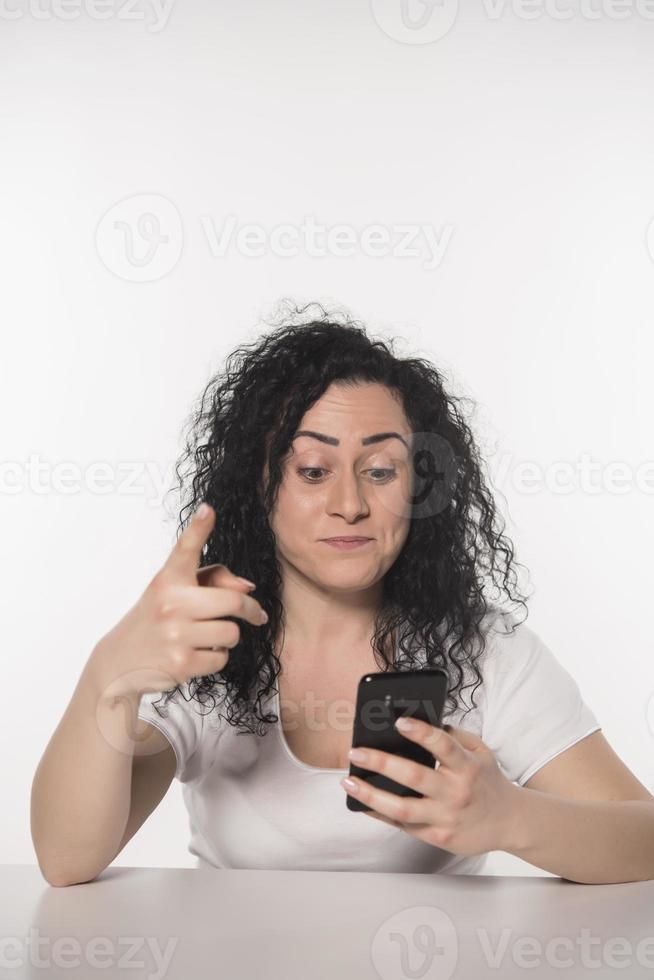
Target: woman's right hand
[{"x": 167, "y": 636}]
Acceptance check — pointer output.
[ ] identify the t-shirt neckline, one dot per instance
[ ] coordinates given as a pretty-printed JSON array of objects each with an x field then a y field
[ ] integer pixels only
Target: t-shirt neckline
[{"x": 293, "y": 758}]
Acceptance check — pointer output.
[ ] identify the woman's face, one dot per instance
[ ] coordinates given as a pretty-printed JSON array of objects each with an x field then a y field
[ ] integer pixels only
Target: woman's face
[{"x": 344, "y": 484}]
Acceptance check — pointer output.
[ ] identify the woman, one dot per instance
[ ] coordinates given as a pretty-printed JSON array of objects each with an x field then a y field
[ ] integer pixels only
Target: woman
[{"x": 314, "y": 435}]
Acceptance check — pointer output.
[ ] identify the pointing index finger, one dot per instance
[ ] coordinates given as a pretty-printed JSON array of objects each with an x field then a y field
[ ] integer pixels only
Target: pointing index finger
[{"x": 185, "y": 556}]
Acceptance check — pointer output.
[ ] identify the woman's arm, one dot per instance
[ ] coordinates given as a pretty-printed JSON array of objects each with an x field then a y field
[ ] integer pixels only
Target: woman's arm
[
  {"x": 593, "y": 842},
  {"x": 91, "y": 790}
]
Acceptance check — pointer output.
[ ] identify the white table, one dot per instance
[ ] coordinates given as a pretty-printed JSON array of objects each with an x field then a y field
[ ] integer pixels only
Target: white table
[{"x": 186, "y": 924}]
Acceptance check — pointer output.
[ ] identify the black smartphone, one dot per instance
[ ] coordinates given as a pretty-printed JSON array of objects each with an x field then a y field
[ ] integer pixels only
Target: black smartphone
[{"x": 381, "y": 699}]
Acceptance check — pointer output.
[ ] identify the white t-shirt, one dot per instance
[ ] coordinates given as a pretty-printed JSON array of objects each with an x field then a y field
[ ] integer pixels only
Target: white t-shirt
[{"x": 253, "y": 804}]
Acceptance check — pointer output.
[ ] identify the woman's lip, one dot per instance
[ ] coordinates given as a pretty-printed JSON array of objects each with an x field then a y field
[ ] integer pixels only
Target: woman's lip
[
  {"x": 346, "y": 544},
  {"x": 347, "y": 539}
]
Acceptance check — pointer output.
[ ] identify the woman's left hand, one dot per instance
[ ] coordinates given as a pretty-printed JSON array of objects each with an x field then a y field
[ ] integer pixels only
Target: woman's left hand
[{"x": 468, "y": 805}]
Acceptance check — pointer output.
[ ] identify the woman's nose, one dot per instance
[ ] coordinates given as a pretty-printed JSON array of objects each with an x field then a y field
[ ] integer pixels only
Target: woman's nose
[{"x": 347, "y": 497}]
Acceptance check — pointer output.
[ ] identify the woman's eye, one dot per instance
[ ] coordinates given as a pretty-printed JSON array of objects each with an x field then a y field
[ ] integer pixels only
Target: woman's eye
[
  {"x": 310, "y": 469},
  {"x": 389, "y": 473}
]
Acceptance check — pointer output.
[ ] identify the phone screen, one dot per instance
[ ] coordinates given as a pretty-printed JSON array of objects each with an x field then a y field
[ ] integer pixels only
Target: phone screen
[{"x": 381, "y": 699}]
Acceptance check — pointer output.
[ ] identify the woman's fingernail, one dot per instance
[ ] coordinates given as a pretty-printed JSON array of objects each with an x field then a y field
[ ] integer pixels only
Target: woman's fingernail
[
  {"x": 404, "y": 724},
  {"x": 202, "y": 511},
  {"x": 350, "y": 785},
  {"x": 246, "y": 581}
]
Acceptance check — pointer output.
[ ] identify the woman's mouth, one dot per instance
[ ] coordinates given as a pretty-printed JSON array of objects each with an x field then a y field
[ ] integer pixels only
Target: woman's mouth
[{"x": 345, "y": 543}]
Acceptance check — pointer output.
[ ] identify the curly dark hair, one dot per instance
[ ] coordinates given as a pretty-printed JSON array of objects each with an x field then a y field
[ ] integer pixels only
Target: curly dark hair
[{"x": 434, "y": 594}]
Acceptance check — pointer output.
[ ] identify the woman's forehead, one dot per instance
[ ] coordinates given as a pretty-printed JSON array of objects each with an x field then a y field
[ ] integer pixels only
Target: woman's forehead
[{"x": 357, "y": 408}]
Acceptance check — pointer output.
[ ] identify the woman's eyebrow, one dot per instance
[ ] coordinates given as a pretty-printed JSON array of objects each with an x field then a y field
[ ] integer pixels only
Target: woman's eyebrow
[{"x": 366, "y": 441}]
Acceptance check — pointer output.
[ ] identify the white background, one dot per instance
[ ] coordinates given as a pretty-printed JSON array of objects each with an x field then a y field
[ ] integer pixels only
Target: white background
[{"x": 530, "y": 138}]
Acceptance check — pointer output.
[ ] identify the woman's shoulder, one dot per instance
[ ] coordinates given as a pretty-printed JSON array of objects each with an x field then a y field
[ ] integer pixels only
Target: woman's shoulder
[{"x": 510, "y": 644}]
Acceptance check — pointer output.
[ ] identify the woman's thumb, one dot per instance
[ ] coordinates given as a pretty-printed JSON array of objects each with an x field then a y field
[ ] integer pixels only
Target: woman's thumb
[{"x": 222, "y": 577}]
